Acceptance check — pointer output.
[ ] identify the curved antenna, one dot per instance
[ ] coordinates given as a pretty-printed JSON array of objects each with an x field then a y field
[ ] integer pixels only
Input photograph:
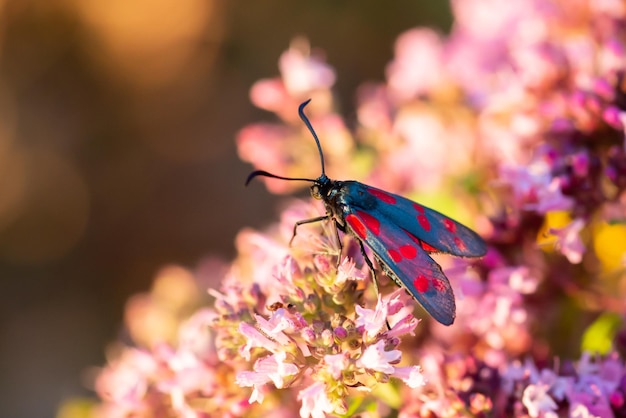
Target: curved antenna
[
  {"x": 274, "y": 176},
  {"x": 308, "y": 125}
]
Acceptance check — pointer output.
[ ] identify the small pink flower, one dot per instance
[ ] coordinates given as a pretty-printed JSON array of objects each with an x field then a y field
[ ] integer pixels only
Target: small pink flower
[
  {"x": 403, "y": 326},
  {"x": 400, "y": 314},
  {"x": 274, "y": 327},
  {"x": 375, "y": 357},
  {"x": 372, "y": 321},
  {"x": 336, "y": 364},
  {"x": 272, "y": 368},
  {"x": 348, "y": 271},
  {"x": 315, "y": 401},
  {"x": 412, "y": 376},
  {"x": 254, "y": 338}
]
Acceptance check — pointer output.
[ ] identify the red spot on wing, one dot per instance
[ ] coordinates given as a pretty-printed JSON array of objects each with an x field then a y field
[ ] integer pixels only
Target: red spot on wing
[
  {"x": 408, "y": 251},
  {"x": 422, "y": 244},
  {"x": 459, "y": 244},
  {"x": 424, "y": 222},
  {"x": 372, "y": 223},
  {"x": 421, "y": 284},
  {"x": 356, "y": 225},
  {"x": 418, "y": 207},
  {"x": 415, "y": 240},
  {"x": 395, "y": 256},
  {"x": 450, "y": 225},
  {"x": 439, "y": 285},
  {"x": 385, "y": 197}
]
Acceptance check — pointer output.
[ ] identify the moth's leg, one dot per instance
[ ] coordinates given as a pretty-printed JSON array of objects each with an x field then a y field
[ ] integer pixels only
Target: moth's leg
[
  {"x": 306, "y": 221},
  {"x": 338, "y": 228},
  {"x": 371, "y": 266}
]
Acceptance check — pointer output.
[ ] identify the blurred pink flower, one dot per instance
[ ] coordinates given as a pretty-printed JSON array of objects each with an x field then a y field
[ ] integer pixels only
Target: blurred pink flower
[
  {"x": 417, "y": 65},
  {"x": 538, "y": 402},
  {"x": 302, "y": 74},
  {"x": 569, "y": 242},
  {"x": 125, "y": 381}
]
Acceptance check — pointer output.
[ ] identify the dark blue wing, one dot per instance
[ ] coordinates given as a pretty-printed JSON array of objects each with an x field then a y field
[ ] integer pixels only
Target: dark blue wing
[
  {"x": 405, "y": 261},
  {"x": 437, "y": 231}
]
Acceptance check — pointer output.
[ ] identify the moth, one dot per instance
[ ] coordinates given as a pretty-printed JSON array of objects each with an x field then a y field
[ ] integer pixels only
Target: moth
[{"x": 400, "y": 233}]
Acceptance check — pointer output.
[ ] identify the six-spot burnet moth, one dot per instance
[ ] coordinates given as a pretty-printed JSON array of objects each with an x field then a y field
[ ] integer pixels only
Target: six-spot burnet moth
[{"x": 400, "y": 233}]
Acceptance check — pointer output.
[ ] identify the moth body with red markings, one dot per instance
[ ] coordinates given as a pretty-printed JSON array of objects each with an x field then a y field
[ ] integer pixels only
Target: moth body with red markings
[{"x": 399, "y": 232}]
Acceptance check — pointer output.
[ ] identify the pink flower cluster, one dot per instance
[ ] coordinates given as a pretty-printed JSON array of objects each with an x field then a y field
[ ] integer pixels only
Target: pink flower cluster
[{"x": 515, "y": 124}]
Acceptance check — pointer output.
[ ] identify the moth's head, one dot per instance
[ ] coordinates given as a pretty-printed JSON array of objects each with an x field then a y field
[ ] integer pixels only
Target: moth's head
[{"x": 320, "y": 189}]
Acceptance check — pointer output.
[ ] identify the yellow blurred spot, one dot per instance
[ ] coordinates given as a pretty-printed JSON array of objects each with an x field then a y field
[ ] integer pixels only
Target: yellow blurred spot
[
  {"x": 553, "y": 220},
  {"x": 599, "y": 336},
  {"x": 609, "y": 241},
  {"x": 76, "y": 408}
]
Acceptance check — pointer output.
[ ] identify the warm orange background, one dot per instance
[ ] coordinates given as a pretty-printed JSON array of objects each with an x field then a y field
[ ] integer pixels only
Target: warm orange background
[{"x": 117, "y": 155}]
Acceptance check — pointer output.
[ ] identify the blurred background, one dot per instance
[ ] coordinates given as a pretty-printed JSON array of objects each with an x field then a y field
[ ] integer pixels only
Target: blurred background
[{"x": 117, "y": 155}]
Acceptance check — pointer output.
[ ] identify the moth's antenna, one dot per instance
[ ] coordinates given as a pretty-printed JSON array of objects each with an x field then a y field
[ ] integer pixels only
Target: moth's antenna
[
  {"x": 274, "y": 176},
  {"x": 264, "y": 173},
  {"x": 308, "y": 125}
]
